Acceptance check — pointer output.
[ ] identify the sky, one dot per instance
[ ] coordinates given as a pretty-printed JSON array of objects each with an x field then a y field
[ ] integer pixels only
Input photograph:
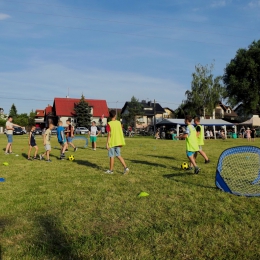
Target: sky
[{"x": 114, "y": 50}]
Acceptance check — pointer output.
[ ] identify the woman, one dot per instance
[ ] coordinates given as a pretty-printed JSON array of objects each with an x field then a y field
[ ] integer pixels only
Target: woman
[{"x": 248, "y": 134}]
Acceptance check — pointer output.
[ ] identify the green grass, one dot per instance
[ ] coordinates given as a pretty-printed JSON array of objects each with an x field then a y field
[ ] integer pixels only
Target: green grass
[{"x": 72, "y": 210}]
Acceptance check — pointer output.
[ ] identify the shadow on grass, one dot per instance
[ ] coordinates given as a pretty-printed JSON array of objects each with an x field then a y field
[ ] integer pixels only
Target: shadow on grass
[
  {"x": 186, "y": 173},
  {"x": 3, "y": 223},
  {"x": 148, "y": 163},
  {"x": 160, "y": 156},
  {"x": 87, "y": 163},
  {"x": 54, "y": 240}
]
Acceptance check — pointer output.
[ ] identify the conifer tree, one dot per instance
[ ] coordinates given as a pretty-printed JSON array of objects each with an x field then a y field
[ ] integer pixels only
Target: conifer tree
[{"x": 82, "y": 111}]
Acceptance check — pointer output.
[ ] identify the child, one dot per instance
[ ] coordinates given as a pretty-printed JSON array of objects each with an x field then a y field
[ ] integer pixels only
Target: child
[
  {"x": 115, "y": 139},
  {"x": 70, "y": 134},
  {"x": 94, "y": 132},
  {"x": 191, "y": 142},
  {"x": 47, "y": 143},
  {"x": 32, "y": 144},
  {"x": 61, "y": 139},
  {"x": 200, "y": 136}
]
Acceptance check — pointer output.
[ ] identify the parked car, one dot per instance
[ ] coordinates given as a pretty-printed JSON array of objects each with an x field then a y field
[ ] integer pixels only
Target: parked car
[
  {"x": 38, "y": 131},
  {"x": 81, "y": 130},
  {"x": 18, "y": 131},
  {"x": 24, "y": 131},
  {"x": 54, "y": 131}
]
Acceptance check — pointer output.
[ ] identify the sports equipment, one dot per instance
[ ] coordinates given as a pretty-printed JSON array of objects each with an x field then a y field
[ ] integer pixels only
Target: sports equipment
[
  {"x": 5, "y": 163},
  {"x": 238, "y": 171},
  {"x": 184, "y": 166},
  {"x": 71, "y": 157}
]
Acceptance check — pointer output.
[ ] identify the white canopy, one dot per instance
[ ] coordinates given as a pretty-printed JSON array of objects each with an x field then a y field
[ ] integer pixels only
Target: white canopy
[{"x": 254, "y": 121}]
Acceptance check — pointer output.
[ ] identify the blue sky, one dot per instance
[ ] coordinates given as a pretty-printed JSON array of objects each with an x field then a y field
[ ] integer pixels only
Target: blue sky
[{"x": 113, "y": 50}]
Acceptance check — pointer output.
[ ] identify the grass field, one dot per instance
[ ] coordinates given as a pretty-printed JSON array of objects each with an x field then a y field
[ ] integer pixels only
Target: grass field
[{"x": 73, "y": 210}]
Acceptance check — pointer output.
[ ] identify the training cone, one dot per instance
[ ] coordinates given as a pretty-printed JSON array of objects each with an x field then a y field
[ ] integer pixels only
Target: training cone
[
  {"x": 2, "y": 179},
  {"x": 5, "y": 163},
  {"x": 143, "y": 194}
]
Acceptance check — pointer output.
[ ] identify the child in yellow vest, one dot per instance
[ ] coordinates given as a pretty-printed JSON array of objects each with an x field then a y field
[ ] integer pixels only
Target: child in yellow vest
[
  {"x": 191, "y": 143},
  {"x": 200, "y": 136},
  {"x": 115, "y": 140}
]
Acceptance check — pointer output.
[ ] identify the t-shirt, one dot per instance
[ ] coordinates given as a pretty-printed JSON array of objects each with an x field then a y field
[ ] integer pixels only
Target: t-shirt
[
  {"x": 48, "y": 136},
  {"x": 32, "y": 139},
  {"x": 10, "y": 125},
  {"x": 93, "y": 130},
  {"x": 60, "y": 133},
  {"x": 69, "y": 128}
]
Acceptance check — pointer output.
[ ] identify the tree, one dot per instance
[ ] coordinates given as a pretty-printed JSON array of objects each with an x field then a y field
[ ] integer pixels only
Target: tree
[
  {"x": 31, "y": 119},
  {"x": 82, "y": 111},
  {"x": 13, "y": 111},
  {"x": 206, "y": 91},
  {"x": 242, "y": 78},
  {"x": 134, "y": 109}
]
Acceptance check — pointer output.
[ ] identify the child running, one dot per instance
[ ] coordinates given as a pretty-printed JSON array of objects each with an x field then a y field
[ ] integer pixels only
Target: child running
[
  {"x": 70, "y": 134},
  {"x": 62, "y": 139},
  {"x": 32, "y": 143},
  {"x": 47, "y": 143},
  {"x": 115, "y": 140},
  {"x": 191, "y": 143}
]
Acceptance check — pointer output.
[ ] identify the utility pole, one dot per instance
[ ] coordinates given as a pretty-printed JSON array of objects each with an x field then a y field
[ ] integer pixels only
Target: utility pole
[{"x": 154, "y": 119}]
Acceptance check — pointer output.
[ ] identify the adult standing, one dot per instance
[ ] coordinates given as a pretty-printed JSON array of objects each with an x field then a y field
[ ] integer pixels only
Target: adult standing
[
  {"x": 248, "y": 134},
  {"x": 253, "y": 134},
  {"x": 9, "y": 134}
]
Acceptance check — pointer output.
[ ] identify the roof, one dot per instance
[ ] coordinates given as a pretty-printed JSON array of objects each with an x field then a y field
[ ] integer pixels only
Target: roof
[
  {"x": 65, "y": 106},
  {"x": 48, "y": 110},
  {"x": 207, "y": 122},
  {"x": 254, "y": 121},
  {"x": 39, "y": 113}
]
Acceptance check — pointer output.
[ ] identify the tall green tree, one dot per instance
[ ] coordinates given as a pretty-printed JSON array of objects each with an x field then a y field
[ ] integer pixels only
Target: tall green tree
[
  {"x": 242, "y": 78},
  {"x": 31, "y": 118},
  {"x": 134, "y": 109},
  {"x": 206, "y": 91},
  {"x": 13, "y": 111},
  {"x": 83, "y": 112}
]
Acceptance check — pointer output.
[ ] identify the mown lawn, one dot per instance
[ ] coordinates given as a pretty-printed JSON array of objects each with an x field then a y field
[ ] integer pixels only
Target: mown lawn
[{"x": 73, "y": 210}]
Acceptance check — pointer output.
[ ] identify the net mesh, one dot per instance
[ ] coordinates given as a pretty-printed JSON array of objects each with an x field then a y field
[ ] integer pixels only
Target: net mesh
[{"x": 239, "y": 168}]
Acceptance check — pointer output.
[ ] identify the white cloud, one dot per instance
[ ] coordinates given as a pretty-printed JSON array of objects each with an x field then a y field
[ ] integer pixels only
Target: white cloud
[
  {"x": 254, "y": 4},
  {"x": 216, "y": 4},
  {"x": 4, "y": 16}
]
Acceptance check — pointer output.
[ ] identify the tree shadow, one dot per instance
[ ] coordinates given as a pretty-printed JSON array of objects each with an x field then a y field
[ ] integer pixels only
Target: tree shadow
[
  {"x": 53, "y": 239},
  {"x": 148, "y": 163},
  {"x": 162, "y": 157}
]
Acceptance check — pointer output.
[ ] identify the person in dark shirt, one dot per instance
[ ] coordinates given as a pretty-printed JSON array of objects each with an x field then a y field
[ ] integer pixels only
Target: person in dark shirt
[{"x": 32, "y": 143}]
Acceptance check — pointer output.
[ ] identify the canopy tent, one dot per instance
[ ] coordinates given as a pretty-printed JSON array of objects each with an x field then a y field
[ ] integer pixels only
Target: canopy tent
[
  {"x": 254, "y": 121},
  {"x": 204, "y": 122}
]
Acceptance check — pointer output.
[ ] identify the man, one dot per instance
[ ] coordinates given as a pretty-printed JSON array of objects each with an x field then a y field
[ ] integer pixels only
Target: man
[{"x": 9, "y": 134}]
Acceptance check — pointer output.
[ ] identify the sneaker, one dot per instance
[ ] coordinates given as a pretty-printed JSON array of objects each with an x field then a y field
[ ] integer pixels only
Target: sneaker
[
  {"x": 207, "y": 161},
  {"x": 29, "y": 159},
  {"x": 48, "y": 161},
  {"x": 94, "y": 149},
  {"x": 196, "y": 170},
  {"x": 35, "y": 158},
  {"x": 62, "y": 155},
  {"x": 6, "y": 153},
  {"x": 126, "y": 170},
  {"x": 75, "y": 149},
  {"x": 190, "y": 169},
  {"x": 41, "y": 157},
  {"x": 11, "y": 153},
  {"x": 109, "y": 172}
]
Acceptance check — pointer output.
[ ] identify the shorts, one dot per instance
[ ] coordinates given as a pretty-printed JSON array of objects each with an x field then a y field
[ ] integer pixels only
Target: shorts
[
  {"x": 69, "y": 139},
  {"x": 114, "y": 151},
  {"x": 9, "y": 138},
  {"x": 47, "y": 147},
  {"x": 63, "y": 142},
  {"x": 93, "y": 139},
  {"x": 32, "y": 144},
  {"x": 189, "y": 154}
]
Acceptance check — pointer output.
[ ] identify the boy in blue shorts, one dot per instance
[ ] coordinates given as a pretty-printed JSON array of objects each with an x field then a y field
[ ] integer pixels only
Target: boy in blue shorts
[
  {"x": 191, "y": 143},
  {"x": 62, "y": 139},
  {"x": 115, "y": 140}
]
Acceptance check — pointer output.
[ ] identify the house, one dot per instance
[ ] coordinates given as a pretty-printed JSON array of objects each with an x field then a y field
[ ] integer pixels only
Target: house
[
  {"x": 39, "y": 118},
  {"x": 151, "y": 113},
  {"x": 63, "y": 108},
  {"x": 169, "y": 113},
  {"x": 225, "y": 112}
]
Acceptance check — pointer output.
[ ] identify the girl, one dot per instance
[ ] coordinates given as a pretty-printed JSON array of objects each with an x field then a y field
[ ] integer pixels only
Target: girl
[{"x": 32, "y": 144}]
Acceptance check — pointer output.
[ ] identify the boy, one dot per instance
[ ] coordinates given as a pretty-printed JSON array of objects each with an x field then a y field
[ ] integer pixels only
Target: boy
[
  {"x": 191, "y": 142},
  {"x": 61, "y": 139},
  {"x": 70, "y": 134},
  {"x": 47, "y": 143},
  {"x": 115, "y": 139},
  {"x": 94, "y": 132},
  {"x": 200, "y": 136},
  {"x": 32, "y": 144},
  {"x": 9, "y": 134}
]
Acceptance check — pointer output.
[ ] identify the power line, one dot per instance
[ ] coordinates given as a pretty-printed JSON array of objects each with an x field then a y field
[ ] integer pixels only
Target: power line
[
  {"x": 113, "y": 12},
  {"x": 127, "y": 23},
  {"x": 119, "y": 33}
]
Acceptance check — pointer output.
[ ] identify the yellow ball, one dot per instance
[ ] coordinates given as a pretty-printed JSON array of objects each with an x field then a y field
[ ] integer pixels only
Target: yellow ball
[
  {"x": 184, "y": 166},
  {"x": 71, "y": 157}
]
